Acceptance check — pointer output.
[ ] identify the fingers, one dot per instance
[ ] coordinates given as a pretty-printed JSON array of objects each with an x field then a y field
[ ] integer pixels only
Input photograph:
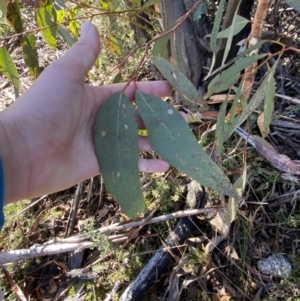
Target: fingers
[
  {"x": 153, "y": 165},
  {"x": 81, "y": 57},
  {"x": 144, "y": 144},
  {"x": 156, "y": 88}
]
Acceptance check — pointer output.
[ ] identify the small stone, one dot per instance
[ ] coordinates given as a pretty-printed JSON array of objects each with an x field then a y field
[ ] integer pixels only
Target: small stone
[
  {"x": 118, "y": 174},
  {"x": 103, "y": 133},
  {"x": 126, "y": 127},
  {"x": 276, "y": 265},
  {"x": 124, "y": 106}
]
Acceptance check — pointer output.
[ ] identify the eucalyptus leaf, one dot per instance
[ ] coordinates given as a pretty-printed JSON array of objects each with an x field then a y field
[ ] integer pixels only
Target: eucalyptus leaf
[
  {"x": 233, "y": 204},
  {"x": 65, "y": 34},
  {"x": 295, "y": 4},
  {"x": 14, "y": 17},
  {"x": 116, "y": 144},
  {"x": 230, "y": 36},
  {"x": 160, "y": 47},
  {"x": 216, "y": 27},
  {"x": 255, "y": 101},
  {"x": 240, "y": 23},
  {"x": 220, "y": 127},
  {"x": 30, "y": 54},
  {"x": 9, "y": 69},
  {"x": 148, "y": 4},
  {"x": 172, "y": 139},
  {"x": 247, "y": 52},
  {"x": 227, "y": 78},
  {"x": 45, "y": 17},
  {"x": 269, "y": 105},
  {"x": 179, "y": 82},
  {"x": 59, "y": 5}
]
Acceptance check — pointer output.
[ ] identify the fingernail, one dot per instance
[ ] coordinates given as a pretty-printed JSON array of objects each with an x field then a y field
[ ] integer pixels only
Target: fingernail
[{"x": 85, "y": 28}]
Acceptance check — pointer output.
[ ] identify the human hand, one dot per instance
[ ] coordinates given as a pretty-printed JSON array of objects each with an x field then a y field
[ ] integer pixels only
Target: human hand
[{"x": 47, "y": 135}]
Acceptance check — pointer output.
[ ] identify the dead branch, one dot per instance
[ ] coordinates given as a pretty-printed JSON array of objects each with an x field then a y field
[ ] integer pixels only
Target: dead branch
[
  {"x": 254, "y": 38},
  {"x": 41, "y": 250},
  {"x": 159, "y": 219},
  {"x": 14, "y": 286}
]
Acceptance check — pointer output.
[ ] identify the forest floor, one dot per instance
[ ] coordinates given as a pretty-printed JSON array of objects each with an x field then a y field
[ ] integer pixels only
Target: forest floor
[{"x": 210, "y": 265}]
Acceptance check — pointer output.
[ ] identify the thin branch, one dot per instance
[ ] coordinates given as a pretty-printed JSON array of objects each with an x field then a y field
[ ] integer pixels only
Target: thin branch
[
  {"x": 159, "y": 219},
  {"x": 42, "y": 250},
  {"x": 14, "y": 286}
]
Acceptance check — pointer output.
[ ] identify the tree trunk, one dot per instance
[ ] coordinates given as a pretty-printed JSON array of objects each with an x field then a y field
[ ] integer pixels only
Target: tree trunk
[
  {"x": 188, "y": 44},
  {"x": 184, "y": 50}
]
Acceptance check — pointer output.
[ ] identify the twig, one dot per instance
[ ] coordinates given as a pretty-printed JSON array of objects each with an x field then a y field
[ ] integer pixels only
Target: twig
[
  {"x": 100, "y": 202},
  {"x": 19, "y": 293},
  {"x": 154, "y": 220},
  {"x": 31, "y": 205},
  {"x": 113, "y": 291},
  {"x": 292, "y": 99},
  {"x": 73, "y": 212},
  {"x": 42, "y": 250},
  {"x": 90, "y": 190}
]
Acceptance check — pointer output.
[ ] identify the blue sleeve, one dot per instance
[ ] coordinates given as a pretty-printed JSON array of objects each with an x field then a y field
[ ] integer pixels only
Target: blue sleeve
[{"x": 1, "y": 195}]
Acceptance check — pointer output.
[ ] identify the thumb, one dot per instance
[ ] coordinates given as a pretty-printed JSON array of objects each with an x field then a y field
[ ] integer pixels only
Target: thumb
[{"x": 81, "y": 57}]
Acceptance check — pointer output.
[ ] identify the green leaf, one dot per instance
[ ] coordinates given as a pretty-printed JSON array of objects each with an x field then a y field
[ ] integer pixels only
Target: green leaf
[
  {"x": 45, "y": 17},
  {"x": 148, "y": 4},
  {"x": 160, "y": 47},
  {"x": 3, "y": 7},
  {"x": 216, "y": 27},
  {"x": 220, "y": 127},
  {"x": 295, "y": 4},
  {"x": 255, "y": 101},
  {"x": 230, "y": 36},
  {"x": 113, "y": 44},
  {"x": 30, "y": 54},
  {"x": 172, "y": 139},
  {"x": 237, "y": 98},
  {"x": 227, "y": 78},
  {"x": 233, "y": 204},
  {"x": 14, "y": 16},
  {"x": 116, "y": 144},
  {"x": 240, "y": 23},
  {"x": 59, "y": 5},
  {"x": 66, "y": 35},
  {"x": 73, "y": 24},
  {"x": 118, "y": 79},
  {"x": 179, "y": 82},
  {"x": 269, "y": 104},
  {"x": 247, "y": 52},
  {"x": 60, "y": 15},
  {"x": 8, "y": 68}
]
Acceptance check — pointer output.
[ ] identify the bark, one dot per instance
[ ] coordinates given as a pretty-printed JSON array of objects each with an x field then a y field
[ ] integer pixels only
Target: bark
[{"x": 184, "y": 50}]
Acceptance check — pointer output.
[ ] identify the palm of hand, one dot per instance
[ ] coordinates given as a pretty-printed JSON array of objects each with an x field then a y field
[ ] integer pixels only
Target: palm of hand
[{"x": 55, "y": 119}]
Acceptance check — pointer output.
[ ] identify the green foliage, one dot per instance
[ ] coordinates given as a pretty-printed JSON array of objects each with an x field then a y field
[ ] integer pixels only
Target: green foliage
[
  {"x": 180, "y": 83},
  {"x": 9, "y": 69},
  {"x": 45, "y": 17},
  {"x": 30, "y": 54},
  {"x": 229, "y": 77},
  {"x": 163, "y": 193},
  {"x": 172, "y": 139}
]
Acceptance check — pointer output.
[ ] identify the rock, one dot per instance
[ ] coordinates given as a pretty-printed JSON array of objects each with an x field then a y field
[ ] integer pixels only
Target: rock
[{"x": 276, "y": 265}]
